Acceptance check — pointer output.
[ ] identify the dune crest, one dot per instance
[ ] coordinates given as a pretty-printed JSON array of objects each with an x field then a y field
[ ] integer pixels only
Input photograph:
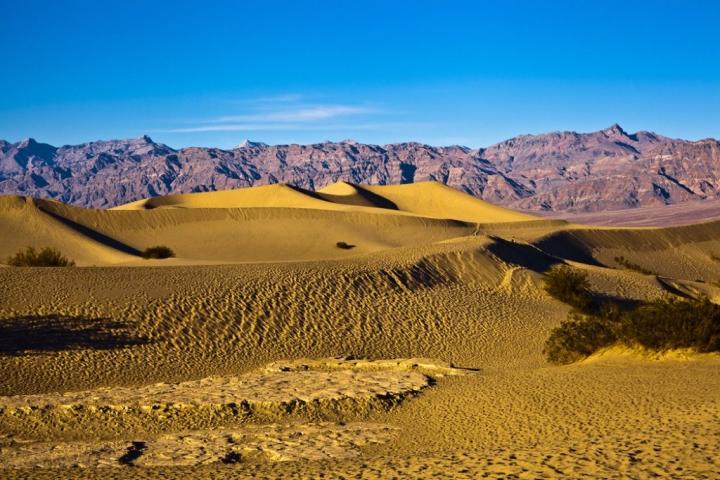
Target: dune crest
[
  {"x": 425, "y": 199},
  {"x": 258, "y": 224}
]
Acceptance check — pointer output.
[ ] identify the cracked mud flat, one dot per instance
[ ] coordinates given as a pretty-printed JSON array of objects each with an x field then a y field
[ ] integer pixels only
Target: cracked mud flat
[
  {"x": 253, "y": 443},
  {"x": 278, "y": 390}
]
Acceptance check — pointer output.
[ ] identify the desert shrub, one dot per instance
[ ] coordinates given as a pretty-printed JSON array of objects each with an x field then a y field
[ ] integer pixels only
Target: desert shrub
[
  {"x": 344, "y": 245},
  {"x": 47, "y": 257},
  {"x": 569, "y": 286},
  {"x": 668, "y": 324},
  {"x": 578, "y": 337},
  {"x": 158, "y": 251},
  {"x": 660, "y": 325},
  {"x": 633, "y": 266}
]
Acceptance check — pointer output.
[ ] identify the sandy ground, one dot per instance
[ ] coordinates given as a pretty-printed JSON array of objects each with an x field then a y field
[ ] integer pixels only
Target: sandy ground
[{"x": 217, "y": 371}]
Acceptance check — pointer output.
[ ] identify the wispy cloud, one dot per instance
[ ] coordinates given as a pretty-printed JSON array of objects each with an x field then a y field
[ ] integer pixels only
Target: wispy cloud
[
  {"x": 309, "y": 113},
  {"x": 288, "y": 113},
  {"x": 289, "y": 127},
  {"x": 283, "y": 98}
]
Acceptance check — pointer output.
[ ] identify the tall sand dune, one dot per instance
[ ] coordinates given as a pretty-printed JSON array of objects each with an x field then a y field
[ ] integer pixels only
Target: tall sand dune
[{"x": 269, "y": 223}]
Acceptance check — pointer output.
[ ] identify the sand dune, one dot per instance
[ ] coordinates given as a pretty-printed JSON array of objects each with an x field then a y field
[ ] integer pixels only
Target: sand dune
[
  {"x": 260, "y": 291},
  {"x": 270, "y": 223},
  {"x": 426, "y": 199}
]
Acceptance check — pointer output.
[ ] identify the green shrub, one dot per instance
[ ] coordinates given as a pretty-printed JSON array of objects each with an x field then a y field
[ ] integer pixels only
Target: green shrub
[
  {"x": 569, "y": 286},
  {"x": 47, "y": 257},
  {"x": 668, "y": 324},
  {"x": 660, "y": 325},
  {"x": 578, "y": 337},
  {"x": 158, "y": 251}
]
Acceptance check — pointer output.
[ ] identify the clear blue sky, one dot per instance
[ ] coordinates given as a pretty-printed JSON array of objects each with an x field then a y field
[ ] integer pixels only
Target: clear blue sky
[{"x": 212, "y": 73}]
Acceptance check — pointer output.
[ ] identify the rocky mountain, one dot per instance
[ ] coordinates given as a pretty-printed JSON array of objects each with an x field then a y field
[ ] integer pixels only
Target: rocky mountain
[{"x": 561, "y": 171}]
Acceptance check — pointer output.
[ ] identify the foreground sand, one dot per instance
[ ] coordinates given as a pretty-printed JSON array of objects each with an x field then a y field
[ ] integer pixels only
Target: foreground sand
[{"x": 459, "y": 292}]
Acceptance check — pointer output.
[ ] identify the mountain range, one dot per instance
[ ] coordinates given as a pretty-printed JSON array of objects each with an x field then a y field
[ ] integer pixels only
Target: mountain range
[{"x": 555, "y": 172}]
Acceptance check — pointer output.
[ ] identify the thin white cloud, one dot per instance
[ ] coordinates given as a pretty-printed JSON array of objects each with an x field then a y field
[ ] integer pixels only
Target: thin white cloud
[
  {"x": 287, "y": 115},
  {"x": 283, "y": 98},
  {"x": 310, "y": 113},
  {"x": 267, "y": 127}
]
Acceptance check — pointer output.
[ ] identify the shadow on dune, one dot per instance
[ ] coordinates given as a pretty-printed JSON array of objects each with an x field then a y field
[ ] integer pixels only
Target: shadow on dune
[
  {"x": 568, "y": 246},
  {"x": 624, "y": 304},
  {"x": 364, "y": 195},
  {"x": 90, "y": 233},
  {"x": 522, "y": 254},
  {"x": 54, "y": 333},
  {"x": 671, "y": 288}
]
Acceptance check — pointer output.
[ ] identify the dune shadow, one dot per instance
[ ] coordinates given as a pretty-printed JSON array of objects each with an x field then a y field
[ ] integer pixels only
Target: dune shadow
[
  {"x": 568, "y": 246},
  {"x": 522, "y": 254},
  {"x": 93, "y": 234},
  {"x": 668, "y": 286},
  {"x": 54, "y": 333},
  {"x": 623, "y": 303},
  {"x": 373, "y": 198}
]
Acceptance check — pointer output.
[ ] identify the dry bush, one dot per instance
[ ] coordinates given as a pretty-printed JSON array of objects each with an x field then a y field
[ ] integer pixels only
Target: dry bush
[
  {"x": 47, "y": 257},
  {"x": 569, "y": 286},
  {"x": 659, "y": 325},
  {"x": 158, "y": 251}
]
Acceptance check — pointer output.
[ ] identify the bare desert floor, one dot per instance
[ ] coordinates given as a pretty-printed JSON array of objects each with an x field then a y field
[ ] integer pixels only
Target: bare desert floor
[{"x": 265, "y": 350}]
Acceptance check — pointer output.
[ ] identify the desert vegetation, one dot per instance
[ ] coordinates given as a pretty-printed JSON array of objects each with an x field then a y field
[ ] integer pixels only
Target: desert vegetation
[
  {"x": 47, "y": 257},
  {"x": 624, "y": 262},
  {"x": 659, "y": 325},
  {"x": 158, "y": 252},
  {"x": 569, "y": 286}
]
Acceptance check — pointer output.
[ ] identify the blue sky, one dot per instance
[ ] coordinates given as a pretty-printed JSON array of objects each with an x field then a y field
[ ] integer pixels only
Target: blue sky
[{"x": 212, "y": 73}]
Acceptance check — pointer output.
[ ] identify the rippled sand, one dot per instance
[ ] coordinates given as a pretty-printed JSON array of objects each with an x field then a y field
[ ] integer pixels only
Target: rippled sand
[{"x": 234, "y": 371}]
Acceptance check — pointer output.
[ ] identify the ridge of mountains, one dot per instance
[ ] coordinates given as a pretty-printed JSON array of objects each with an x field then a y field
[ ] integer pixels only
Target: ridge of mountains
[{"x": 566, "y": 171}]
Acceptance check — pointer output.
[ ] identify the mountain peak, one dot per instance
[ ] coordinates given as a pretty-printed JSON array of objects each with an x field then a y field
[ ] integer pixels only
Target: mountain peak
[
  {"x": 145, "y": 139},
  {"x": 26, "y": 142},
  {"x": 615, "y": 129},
  {"x": 250, "y": 144},
  {"x": 607, "y": 169}
]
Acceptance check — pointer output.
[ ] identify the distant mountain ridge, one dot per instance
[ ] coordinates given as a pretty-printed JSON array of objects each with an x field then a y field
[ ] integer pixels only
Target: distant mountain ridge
[{"x": 559, "y": 172}]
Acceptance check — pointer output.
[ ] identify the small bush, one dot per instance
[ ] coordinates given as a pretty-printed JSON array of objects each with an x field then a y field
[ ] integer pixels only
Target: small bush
[
  {"x": 578, "y": 337},
  {"x": 569, "y": 286},
  {"x": 659, "y": 325},
  {"x": 47, "y": 257},
  {"x": 158, "y": 251},
  {"x": 344, "y": 245},
  {"x": 668, "y": 324},
  {"x": 633, "y": 266}
]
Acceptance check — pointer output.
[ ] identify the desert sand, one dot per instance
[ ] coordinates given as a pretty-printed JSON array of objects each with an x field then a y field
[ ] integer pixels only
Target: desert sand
[{"x": 264, "y": 350}]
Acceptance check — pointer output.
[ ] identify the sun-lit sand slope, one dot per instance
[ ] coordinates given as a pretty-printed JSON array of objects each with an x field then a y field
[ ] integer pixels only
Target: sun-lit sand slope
[
  {"x": 273, "y": 223},
  {"x": 90, "y": 357}
]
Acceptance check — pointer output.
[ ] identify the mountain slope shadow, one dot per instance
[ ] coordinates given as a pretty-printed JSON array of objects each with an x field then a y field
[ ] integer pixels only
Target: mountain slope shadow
[{"x": 54, "y": 333}]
